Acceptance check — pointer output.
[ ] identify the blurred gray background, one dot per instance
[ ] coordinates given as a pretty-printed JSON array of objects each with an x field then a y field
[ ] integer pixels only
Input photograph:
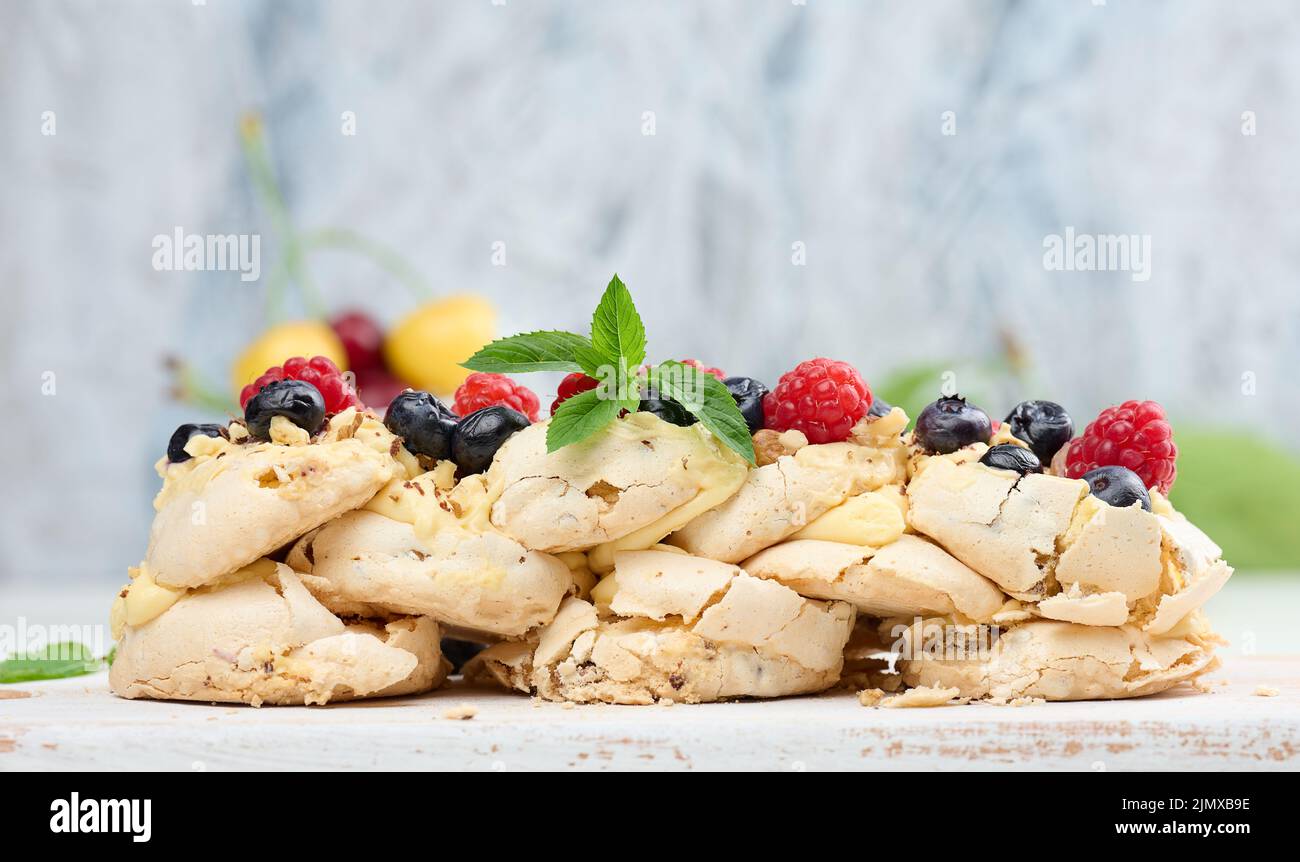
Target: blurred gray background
[{"x": 775, "y": 123}]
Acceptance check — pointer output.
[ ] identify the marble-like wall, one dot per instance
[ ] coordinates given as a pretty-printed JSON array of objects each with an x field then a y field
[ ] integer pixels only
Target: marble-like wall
[{"x": 774, "y": 123}]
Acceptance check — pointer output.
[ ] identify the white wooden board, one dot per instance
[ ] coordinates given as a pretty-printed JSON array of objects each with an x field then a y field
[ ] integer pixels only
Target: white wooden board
[{"x": 77, "y": 724}]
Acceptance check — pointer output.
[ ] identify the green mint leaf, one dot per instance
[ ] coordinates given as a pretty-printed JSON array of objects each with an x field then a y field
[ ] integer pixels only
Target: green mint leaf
[
  {"x": 708, "y": 400},
  {"x": 591, "y": 361},
  {"x": 583, "y": 415},
  {"x": 530, "y": 351},
  {"x": 616, "y": 328},
  {"x": 56, "y": 661}
]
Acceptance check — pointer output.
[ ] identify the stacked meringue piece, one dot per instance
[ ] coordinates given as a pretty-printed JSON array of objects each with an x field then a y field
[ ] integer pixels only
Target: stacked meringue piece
[{"x": 209, "y": 615}]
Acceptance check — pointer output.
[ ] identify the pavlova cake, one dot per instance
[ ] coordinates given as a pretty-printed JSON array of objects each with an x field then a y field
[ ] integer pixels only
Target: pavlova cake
[{"x": 668, "y": 534}]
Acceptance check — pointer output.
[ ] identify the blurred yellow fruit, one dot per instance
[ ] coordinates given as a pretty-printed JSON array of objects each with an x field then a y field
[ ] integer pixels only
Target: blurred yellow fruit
[
  {"x": 426, "y": 347},
  {"x": 306, "y": 338}
]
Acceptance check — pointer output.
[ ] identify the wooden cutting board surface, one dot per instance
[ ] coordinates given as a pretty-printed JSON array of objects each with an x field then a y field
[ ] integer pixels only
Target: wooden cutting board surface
[{"x": 77, "y": 724}]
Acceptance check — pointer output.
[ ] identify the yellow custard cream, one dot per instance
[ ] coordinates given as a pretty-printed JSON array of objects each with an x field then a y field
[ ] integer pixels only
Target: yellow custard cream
[
  {"x": 434, "y": 501},
  {"x": 143, "y": 598},
  {"x": 875, "y": 519},
  {"x": 719, "y": 480}
]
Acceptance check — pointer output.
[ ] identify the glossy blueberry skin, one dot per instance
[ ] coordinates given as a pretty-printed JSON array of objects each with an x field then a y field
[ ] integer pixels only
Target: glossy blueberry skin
[
  {"x": 1118, "y": 486},
  {"x": 948, "y": 424},
  {"x": 1044, "y": 425},
  {"x": 458, "y": 652},
  {"x": 295, "y": 400},
  {"x": 879, "y": 407},
  {"x": 176, "y": 446},
  {"x": 669, "y": 411},
  {"x": 423, "y": 422},
  {"x": 749, "y": 394},
  {"x": 1009, "y": 456},
  {"x": 479, "y": 435}
]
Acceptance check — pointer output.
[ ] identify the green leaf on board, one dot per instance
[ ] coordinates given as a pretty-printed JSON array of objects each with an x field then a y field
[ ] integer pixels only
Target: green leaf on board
[{"x": 55, "y": 661}]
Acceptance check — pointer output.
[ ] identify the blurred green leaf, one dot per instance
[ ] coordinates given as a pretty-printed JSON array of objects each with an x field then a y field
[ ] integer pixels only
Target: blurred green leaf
[
  {"x": 1244, "y": 492},
  {"x": 56, "y": 661},
  {"x": 914, "y": 386}
]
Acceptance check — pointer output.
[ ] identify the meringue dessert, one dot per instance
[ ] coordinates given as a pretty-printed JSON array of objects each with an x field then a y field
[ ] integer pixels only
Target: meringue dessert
[
  {"x": 669, "y": 627},
  {"x": 667, "y": 535}
]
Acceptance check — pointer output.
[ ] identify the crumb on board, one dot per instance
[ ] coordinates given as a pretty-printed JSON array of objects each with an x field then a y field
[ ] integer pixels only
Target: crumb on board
[
  {"x": 460, "y": 712},
  {"x": 1027, "y": 701},
  {"x": 871, "y": 696},
  {"x": 1266, "y": 691},
  {"x": 924, "y": 696}
]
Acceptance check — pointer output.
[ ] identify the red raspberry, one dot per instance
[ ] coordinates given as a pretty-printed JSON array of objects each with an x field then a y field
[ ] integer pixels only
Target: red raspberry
[
  {"x": 481, "y": 390},
  {"x": 1135, "y": 435},
  {"x": 823, "y": 398},
  {"x": 716, "y": 372},
  {"x": 271, "y": 375},
  {"x": 570, "y": 386},
  {"x": 319, "y": 371}
]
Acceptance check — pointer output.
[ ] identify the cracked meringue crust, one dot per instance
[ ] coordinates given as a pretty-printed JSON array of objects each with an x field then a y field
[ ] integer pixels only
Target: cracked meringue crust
[
  {"x": 633, "y": 476},
  {"x": 233, "y": 503},
  {"x": 1002, "y": 525},
  {"x": 477, "y": 582},
  {"x": 1066, "y": 661},
  {"x": 779, "y": 499},
  {"x": 910, "y": 576},
  {"x": 1070, "y": 556},
  {"x": 678, "y": 628},
  {"x": 263, "y": 639}
]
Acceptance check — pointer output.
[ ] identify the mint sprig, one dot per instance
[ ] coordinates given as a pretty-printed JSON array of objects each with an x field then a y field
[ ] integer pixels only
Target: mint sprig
[
  {"x": 612, "y": 355},
  {"x": 530, "y": 351},
  {"x": 583, "y": 415},
  {"x": 616, "y": 329},
  {"x": 707, "y": 399}
]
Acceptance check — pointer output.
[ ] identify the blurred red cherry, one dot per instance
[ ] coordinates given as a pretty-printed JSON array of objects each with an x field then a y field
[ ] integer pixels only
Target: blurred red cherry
[
  {"x": 376, "y": 388},
  {"x": 362, "y": 339}
]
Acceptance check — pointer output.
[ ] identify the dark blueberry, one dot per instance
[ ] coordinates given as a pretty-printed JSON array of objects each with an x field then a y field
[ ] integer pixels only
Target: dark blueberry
[
  {"x": 1118, "y": 486},
  {"x": 669, "y": 411},
  {"x": 176, "y": 446},
  {"x": 458, "y": 652},
  {"x": 480, "y": 434},
  {"x": 948, "y": 424},
  {"x": 749, "y": 394},
  {"x": 879, "y": 407},
  {"x": 1044, "y": 425},
  {"x": 423, "y": 422},
  {"x": 1009, "y": 456},
  {"x": 295, "y": 400}
]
